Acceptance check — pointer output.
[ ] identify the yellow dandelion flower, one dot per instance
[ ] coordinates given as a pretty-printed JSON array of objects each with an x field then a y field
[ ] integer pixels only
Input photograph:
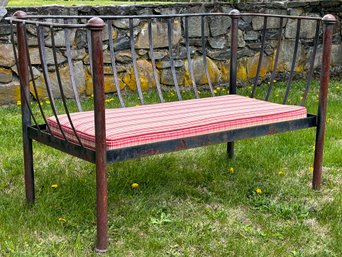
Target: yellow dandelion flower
[
  {"x": 223, "y": 89},
  {"x": 61, "y": 219},
  {"x": 92, "y": 95},
  {"x": 199, "y": 92},
  {"x": 274, "y": 81},
  {"x": 137, "y": 105},
  {"x": 218, "y": 88},
  {"x": 268, "y": 82},
  {"x": 19, "y": 103},
  {"x": 311, "y": 169},
  {"x": 337, "y": 87},
  {"x": 54, "y": 186},
  {"x": 281, "y": 173},
  {"x": 108, "y": 100},
  {"x": 258, "y": 191},
  {"x": 47, "y": 102},
  {"x": 135, "y": 186},
  {"x": 215, "y": 91},
  {"x": 231, "y": 170}
]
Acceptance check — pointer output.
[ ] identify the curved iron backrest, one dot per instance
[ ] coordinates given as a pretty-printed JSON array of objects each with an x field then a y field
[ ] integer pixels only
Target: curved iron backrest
[{"x": 55, "y": 52}]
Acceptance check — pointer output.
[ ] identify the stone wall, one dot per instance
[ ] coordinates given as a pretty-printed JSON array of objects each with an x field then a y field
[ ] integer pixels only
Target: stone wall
[{"x": 217, "y": 30}]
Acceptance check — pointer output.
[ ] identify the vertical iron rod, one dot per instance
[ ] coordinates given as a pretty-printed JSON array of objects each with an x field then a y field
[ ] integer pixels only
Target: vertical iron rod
[
  {"x": 312, "y": 64},
  {"x": 186, "y": 32},
  {"x": 60, "y": 85},
  {"x": 71, "y": 69},
  {"x": 204, "y": 55},
  {"x": 275, "y": 60},
  {"x": 328, "y": 25},
  {"x": 156, "y": 77},
  {"x": 235, "y": 15},
  {"x": 134, "y": 58},
  {"x": 96, "y": 26},
  {"x": 173, "y": 69},
  {"x": 26, "y": 118},
  {"x": 295, "y": 51},
  {"x": 261, "y": 54},
  {"x": 113, "y": 62}
]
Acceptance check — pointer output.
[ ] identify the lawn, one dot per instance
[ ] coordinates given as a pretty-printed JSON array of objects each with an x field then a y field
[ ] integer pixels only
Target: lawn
[
  {"x": 189, "y": 203},
  {"x": 79, "y": 2}
]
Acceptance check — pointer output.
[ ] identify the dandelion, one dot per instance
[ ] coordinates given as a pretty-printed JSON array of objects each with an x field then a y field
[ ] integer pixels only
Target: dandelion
[
  {"x": 47, "y": 102},
  {"x": 199, "y": 92},
  {"x": 311, "y": 169},
  {"x": 61, "y": 219},
  {"x": 19, "y": 103},
  {"x": 137, "y": 105},
  {"x": 135, "y": 186},
  {"x": 108, "y": 100},
  {"x": 54, "y": 186},
  {"x": 218, "y": 88},
  {"x": 269, "y": 83},
  {"x": 223, "y": 89},
  {"x": 281, "y": 173},
  {"x": 258, "y": 190},
  {"x": 92, "y": 95},
  {"x": 301, "y": 98},
  {"x": 274, "y": 81},
  {"x": 215, "y": 91},
  {"x": 337, "y": 87},
  {"x": 231, "y": 170}
]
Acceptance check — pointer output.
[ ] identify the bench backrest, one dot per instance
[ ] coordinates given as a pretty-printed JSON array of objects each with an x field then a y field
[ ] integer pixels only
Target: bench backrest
[{"x": 161, "y": 52}]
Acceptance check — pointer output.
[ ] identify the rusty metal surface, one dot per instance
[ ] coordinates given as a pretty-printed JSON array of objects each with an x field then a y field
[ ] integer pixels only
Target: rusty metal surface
[{"x": 328, "y": 22}]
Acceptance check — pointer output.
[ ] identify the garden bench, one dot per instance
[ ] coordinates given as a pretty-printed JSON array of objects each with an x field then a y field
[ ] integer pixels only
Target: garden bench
[{"x": 107, "y": 135}]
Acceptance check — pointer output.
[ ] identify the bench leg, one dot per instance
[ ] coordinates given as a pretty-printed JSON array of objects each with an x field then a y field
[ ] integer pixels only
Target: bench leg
[
  {"x": 28, "y": 169},
  {"x": 318, "y": 161},
  {"x": 101, "y": 208},
  {"x": 230, "y": 150}
]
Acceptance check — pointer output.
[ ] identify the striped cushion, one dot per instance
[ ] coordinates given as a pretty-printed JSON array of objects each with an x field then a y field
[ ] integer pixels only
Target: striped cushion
[{"x": 165, "y": 121}]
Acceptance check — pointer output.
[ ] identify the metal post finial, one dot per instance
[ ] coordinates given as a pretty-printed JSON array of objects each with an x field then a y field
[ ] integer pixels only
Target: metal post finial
[
  {"x": 234, "y": 12},
  {"x": 329, "y": 18},
  {"x": 96, "y": 23},
  {"x": 20, "y": 15}
]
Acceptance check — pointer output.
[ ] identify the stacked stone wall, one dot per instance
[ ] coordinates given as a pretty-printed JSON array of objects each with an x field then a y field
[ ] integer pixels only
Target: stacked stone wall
[{"x": 217, "y": 46}]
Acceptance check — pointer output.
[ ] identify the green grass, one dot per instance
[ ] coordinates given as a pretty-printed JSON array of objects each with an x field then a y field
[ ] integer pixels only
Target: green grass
[
  {"x": 79, "y": 2},
  {"x": 187, "y": 204}
]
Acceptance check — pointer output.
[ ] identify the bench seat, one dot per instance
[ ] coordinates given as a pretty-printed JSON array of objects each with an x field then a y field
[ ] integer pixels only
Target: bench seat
[{"x": 147, "y": 124}]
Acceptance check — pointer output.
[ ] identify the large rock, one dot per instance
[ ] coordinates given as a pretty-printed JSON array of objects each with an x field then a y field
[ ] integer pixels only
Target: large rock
[
  {"x": 307, "y": 28},
  {"x": 219, "y": 25},
  {"x": 9, "y": 93},
  {"x": 336, "y": 56},
  {"x": 5, "y": 75},
  {"x": 109, "y": 85},
  {"x": 6, "y": 55},
  {"x": 167, "y": 64},
  {"x": 198, "y": 68},
  {"x": 195, "y": 29},
  {"x": 241, "y": 41},
  {"x": 59, "y": 37},
  {"x": 272, "y": 23},
  {"x": 166, "y": 77},
  {"x": 218, "y": 42},
  {"x": 145, "y": 73},
  {"x": 159, "y": 35},
  {"x": 124, "y": 23},
  {"x": 286, "y": 55},
  {"x": 66, "y": 82},
  {"x": 35, "y": 58},
  {"x": 252, "y": 66},
  {"x": 36, "y": 72}
]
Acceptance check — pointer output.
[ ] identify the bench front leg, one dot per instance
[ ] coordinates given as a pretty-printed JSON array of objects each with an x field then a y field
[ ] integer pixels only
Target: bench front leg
[
  {"x": 96, "y": 26},
  {"x": 328, "y": 25}
]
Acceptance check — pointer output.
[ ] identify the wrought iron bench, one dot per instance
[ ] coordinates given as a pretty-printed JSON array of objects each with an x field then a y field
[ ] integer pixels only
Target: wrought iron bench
[{"x": 105, "y": 135}]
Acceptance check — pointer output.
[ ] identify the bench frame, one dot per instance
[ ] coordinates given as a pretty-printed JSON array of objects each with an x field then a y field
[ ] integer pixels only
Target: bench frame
[{"x": 100, "y": 156}]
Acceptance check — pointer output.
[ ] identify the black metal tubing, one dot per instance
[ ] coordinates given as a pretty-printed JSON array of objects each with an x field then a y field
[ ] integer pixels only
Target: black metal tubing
[
  {"x": 204, "y": 55},
  {"x": 172, "y": 64},
  {"x": 209, "y": 139},
  {"x": 113, "y": 62},
  {"x": 41, "y": 135}
]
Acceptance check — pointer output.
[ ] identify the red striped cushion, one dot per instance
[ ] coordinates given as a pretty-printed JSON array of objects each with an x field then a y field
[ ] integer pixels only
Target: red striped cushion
[{"x": 165, "y": 121}]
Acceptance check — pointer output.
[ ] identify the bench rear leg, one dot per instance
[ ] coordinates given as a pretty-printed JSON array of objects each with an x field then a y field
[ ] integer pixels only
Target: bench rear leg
[
  {"x": 230, "y": 150},
  {"x": 28, "y": 168}
]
